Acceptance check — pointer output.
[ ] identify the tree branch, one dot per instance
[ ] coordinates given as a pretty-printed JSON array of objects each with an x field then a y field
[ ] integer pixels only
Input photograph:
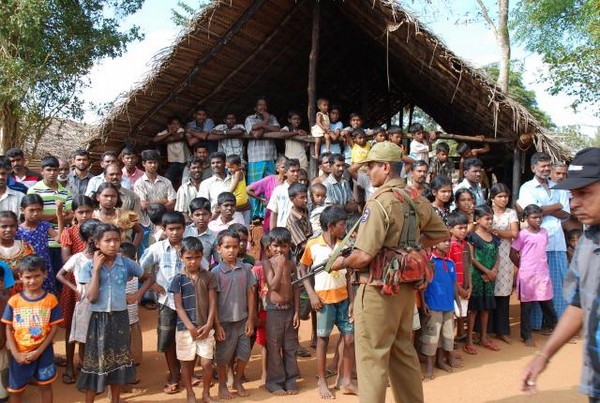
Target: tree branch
[{"x": 486, "y": 16}]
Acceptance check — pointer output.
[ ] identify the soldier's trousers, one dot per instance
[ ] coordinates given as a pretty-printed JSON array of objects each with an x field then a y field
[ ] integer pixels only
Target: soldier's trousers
[{"x": 383, "y": 326}]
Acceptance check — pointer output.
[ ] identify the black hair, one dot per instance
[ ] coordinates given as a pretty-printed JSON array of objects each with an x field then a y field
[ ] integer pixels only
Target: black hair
[
  {"x": 109, "y": 153},
  {"x": 335, "y": 107},
  {"x": 351, "y": 220},
  {"x": 9, "y": 214},
  {"x": 332, "y": 215},
  {"x": 155, "y": 213},
  {"x": 174, "y": 118},
  {"x": 225, "y": 197},
  {"x": 234, "y": 159},
  {"x": 80, "y": 152},
  {"x": 199, "y": 203},
  {"x": 1, "y": 273},
  {"x": 261, "y": 98},
  {"x": 415, "y": 127},
  {"x": 532, "y": 209},
  {"x": 326, "y": 156},
  {"x": 395, "y": 130},
  {"x": 227, "y": 233},
  {"x": 31, "y": 263},
  {"x": 191, "y": 244},
  {"x": 281, "y": 159},
  {"x": 127, "y": 151},
  {"x": 379, "y": 129},
  {"x": 442, "y": 147},
  {"x": 460, "y": 192},
  {"x": 15, "y": 152},
  {"x": 128, "y": 250},
  {"x": 173, "y": 217},
  {"x": 296, "y": 188},
  {"x": 200, "y": 144},
  {"x": 358, "y": 132},
  {"x": 150, "y": 155},
  {"x": 239, "y": 228},
  {"x": 280, "y": 235},
  {"x": 103, "y": 228},
  {"x": 540, "y": 157},
  {"x": 86, "y": 233},
  {"x": 81, "y": 201},
  {"x": 573, "y": 233},
  {"x": 5, "y": 163},
  {"x": 265, "y": 240},
  {"x": 321, "y": 100},
  {"x": 49, "y": 161},
  {"x": 319, "y": 186},
  {"x": 107, "y": 185},
  {"x": 472, "y": 162},
  {"x": 498, "y": 188},
  {"x": 462, "y": 149},
  {"x": 482, "y": 211},
  {"x": 195, "y": 160},
  {"x": 439, "y": 182},
  {"x": 354, "y": 115},
  {"x": 337, "y": 158},
  {"x": 30, "y": 199},
  {"x": 292, "y": 162},
  {"x": 217, "y": 155},
  {"x": 456, "y": 218},
  {"x": 293, "y": 113},
  {"x": 200, "y": 108},
  {"x": 420, "y": 163}
]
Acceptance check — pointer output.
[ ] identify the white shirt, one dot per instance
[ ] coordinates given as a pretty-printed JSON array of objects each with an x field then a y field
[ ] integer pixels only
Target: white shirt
[
  {"x": 11, "y": 201},
  {"x": 281, "y": 203},
  {"x": 532, "y": 192},
  {"x": 212, "y": 187}
]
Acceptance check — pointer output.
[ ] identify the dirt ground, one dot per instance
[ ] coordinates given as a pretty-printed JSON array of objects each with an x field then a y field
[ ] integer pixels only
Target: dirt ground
[{"x": 486, "y": 377}]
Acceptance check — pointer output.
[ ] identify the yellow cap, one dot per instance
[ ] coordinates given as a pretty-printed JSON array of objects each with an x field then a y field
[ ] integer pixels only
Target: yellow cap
[{"x": 385, "y": 151}]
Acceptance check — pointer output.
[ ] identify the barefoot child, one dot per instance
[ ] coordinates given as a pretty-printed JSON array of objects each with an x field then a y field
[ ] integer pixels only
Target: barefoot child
[
  {"x": 484, "y": 270},
  {"x": 236, "y": 307},
  {"x": 321, "y": 127},
  {"x": 136, "y": 341},
  {"x": 282, "y": 316},
  {"x": 298, "y": 222},
  {"x": 32, "y": 319},
  {"x": 262, "y": 289},
  {"x": 332, "y": 298},
  {"x": 438, "y": 305},
  {"x": 108, "y": 363},
  {"x": 228, "y": 214},
  {"x": 238, "y": 185},
  {"x": 461, "y": 256},
  {"x": 528, "y": 253},
  {"x": 195, "y": 297}
]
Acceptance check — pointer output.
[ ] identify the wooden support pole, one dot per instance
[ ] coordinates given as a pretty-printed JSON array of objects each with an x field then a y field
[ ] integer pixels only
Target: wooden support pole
[
  {"x": 516, "y": 177},
  {"x": 313, "y": 59},
  {"x": 410, "y": 117}
]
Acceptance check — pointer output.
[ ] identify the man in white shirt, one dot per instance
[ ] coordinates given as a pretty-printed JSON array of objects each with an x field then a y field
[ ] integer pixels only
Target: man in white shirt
[
  {"x": 10, "y": 200},
  {"x": 220, "y": 182},
  {"x": 472, "y": 171}
]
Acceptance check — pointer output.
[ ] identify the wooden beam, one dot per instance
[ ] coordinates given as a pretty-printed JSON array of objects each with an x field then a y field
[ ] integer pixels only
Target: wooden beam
[
  {"x": 516, "y": 175},
  {"x": 253, "y": 55},
  {"x": 207, "y": 57},
  {"x": 311, "y": 88}
]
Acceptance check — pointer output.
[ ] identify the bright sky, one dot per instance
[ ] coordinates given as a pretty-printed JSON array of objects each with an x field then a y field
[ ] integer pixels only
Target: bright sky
[{"x": 473, "y": 42}]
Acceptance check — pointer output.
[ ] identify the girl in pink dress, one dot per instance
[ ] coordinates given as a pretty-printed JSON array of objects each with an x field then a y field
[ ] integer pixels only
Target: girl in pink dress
[{"x": 528, "y": 253}]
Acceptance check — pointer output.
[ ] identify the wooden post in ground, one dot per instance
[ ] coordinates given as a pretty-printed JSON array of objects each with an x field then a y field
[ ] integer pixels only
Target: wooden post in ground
[
  {"x": 516, "y": 177},
  {"x": 312, "y": 78}
]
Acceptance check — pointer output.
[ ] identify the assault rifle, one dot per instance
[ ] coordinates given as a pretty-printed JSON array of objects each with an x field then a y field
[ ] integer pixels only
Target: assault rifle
[{"x": 322, "y": 266}]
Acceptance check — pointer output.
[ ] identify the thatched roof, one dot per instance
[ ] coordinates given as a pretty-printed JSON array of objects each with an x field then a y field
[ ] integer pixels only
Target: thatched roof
[{"x": 374, "y": 58}]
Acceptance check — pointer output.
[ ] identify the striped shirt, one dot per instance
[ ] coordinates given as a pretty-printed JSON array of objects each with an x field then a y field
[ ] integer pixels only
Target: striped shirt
[
  {"x": 232, "y": 145},
  {"x": 337, "y": 192},
  {"x": 185, "y": 194},
  {"x": 191, "y": 298},
  {"x": 50, "y": 197},
  {"x": 260, "y": 149}
]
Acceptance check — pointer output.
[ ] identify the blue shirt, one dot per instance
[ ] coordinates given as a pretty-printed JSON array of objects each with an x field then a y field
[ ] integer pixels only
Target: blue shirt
[
  {"x": 111, "y": 294},
  {"x": 532, "y": 192},
  {"x": 194, "y": 296},
  {"x": 439, "y": 295},
  {"x": 9, "y": 280},
  {"x": 209, "y": 242}
]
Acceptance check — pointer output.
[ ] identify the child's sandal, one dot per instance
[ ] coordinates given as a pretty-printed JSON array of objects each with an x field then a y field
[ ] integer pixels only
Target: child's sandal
[{"x": 469, "y": 349}]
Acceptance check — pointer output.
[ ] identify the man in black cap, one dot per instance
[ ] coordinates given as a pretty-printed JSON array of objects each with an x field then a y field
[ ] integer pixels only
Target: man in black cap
[{"x": 582, "y": 284}]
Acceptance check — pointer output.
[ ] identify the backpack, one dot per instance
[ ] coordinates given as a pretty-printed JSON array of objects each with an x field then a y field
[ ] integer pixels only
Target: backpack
[{"x": 408, "y": 262}]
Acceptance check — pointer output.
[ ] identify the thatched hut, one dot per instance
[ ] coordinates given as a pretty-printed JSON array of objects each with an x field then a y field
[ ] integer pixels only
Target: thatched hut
[{"x": 373, "y": 57}]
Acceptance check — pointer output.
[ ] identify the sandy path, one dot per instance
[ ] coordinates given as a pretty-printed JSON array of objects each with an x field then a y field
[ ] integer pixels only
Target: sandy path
[{"x": 486, "y": 377}]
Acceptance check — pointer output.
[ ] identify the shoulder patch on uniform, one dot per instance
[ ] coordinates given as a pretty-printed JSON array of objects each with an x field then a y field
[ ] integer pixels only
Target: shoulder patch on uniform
[{"x": 365, "y": 215}]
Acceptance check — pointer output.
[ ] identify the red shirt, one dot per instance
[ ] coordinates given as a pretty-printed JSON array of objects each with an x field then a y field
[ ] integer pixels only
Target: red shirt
[
  {"x": 70, "y": 239},
  {"x": 457, "y": 248}
]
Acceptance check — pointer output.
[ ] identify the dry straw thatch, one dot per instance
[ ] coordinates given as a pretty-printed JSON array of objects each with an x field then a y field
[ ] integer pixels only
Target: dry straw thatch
[{"x": 374, "y": 57}]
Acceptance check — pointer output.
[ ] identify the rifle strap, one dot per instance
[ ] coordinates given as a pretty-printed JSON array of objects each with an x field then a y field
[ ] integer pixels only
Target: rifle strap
[{"x": 340, "y": 247}]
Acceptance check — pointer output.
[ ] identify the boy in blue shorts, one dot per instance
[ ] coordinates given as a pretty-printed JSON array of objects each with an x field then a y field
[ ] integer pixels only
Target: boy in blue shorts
[
  {"x": 32, "y": 319},
  {"x": 332, "y": 298}
]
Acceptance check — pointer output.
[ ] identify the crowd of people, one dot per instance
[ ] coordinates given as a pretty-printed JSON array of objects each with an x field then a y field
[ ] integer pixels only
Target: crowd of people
[{"x": 81, "y": 252}]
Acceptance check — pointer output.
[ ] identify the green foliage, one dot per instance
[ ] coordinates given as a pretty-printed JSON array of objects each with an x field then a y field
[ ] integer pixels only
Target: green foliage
[
  {"x": 573, "y": 139},
  {"x": 566, "y": 33},
  {"x": 184, "y": 14},
  {"x": 47, "y": 47},
  {"x": 518, "y": 91}
]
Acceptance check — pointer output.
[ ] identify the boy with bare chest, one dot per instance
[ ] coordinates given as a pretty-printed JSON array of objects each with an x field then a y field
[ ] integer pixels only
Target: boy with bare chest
[{"x": 283, "y": 302}]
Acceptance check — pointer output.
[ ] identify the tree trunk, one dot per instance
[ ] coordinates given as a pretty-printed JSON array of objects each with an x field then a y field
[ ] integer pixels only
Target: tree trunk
[
  {"x": 504, "y": 44},
  {"x": 9, "y": 127}
]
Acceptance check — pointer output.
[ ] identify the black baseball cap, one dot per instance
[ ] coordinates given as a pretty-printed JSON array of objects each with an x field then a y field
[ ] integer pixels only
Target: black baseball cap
[{"x": 583, "y": 170}]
